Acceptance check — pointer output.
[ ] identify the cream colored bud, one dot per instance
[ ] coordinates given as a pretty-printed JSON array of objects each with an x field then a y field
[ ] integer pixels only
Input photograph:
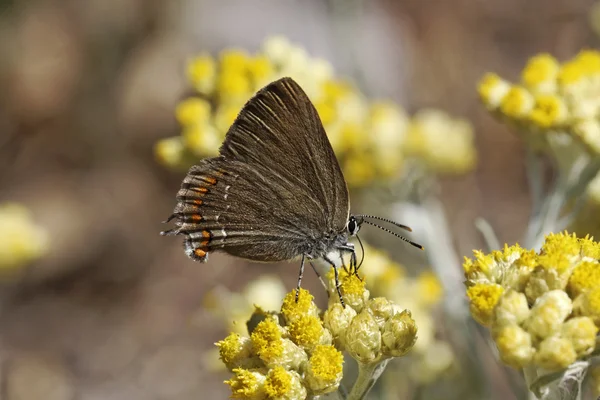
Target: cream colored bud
[
  {"x": 399, "y": 334},
  {"x": 581, "y": 331},
  {"x": 514, "y": 346},
  {"x": 512, "y": 309},
  {"x": 548, "y": 313},
  {"x": 363, "y": 339},
  {"x": 381, "y": 309},
  {"x": 555, "y": 353},
  {"x": 337, "y": 319}
]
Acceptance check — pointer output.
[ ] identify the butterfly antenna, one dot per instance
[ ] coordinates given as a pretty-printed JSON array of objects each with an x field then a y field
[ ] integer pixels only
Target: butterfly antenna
[
  {"x": 406, "y": 228},
  {"x": 362, "y": 250},
  {"x": 395, "y": 234}
]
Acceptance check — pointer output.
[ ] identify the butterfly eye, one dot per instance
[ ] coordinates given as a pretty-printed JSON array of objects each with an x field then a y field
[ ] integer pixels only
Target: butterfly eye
[{"x": 353, "y": 226}]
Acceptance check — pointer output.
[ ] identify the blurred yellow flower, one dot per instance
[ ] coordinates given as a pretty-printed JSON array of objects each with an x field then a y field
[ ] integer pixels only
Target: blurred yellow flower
[
  {"x": 369, "y": 137},
  {"x": 21, "y": 240}
]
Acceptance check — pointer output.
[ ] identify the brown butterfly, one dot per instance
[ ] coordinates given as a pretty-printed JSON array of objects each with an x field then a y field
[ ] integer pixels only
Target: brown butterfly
[{"x": 275, "y": 192}]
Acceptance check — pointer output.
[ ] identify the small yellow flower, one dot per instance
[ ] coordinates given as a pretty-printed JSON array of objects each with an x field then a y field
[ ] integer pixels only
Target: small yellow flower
[
  {"x": 21, "y": 240},
  {"x": 202, "y": 140},
  {"x": 235, "y": 351},
  {"x": 292, "y": 309},
  {"x": 540, "y": 73},
  {"x": 246, "y": 384},
  {"x": 581, "y": 331},
  {"x": 399, "y": 334},
  {"x": 281, "y": 384},
  {"x": 352, "y": 287},
  {"x": 514, "y": 346},
  {"x": 555, "y": 353},
  {"x": 586, "y": 275},
  {"x": 324, "y": 370},
  {"x": 549, "y": 111},
  {"x": 202, "y": 72},
  {"x": 588, "y": 304},
  {"x": 512, "y": 309},
  {"x": 234, "y": 60},
  {"x": 518, "y": 103},
  {"x": 267, "y": 340},
  {"x": 261, "y": 70},
  {"x": 170, "y": 151},
  {"x": 363, "y": 338},
  {"x": 225, "y": 116},
  {"x": 492, "y": 90},
  {"x": 193, "y": 111},
  {"x": 483, "y": 299},
  {"x": 306, "y": 331},
  {"x": 429, "y": 287},
  {"x": 233, "y": 87}
]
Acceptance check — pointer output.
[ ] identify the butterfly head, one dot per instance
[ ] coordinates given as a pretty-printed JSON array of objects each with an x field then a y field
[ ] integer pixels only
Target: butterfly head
[{"x": 353, "y": 225}]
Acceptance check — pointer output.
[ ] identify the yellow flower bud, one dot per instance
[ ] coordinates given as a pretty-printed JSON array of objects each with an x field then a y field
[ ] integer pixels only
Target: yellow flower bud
[
  {"x": 581, "y": 331},
  {"x": 548, "y": 313},
  {"x": 399, "y": 334},
  {"x": 324, "y": 370},
  {"x": 512, "y": 309},
  {"x": 282, "y": 384},
  {"x": 337, "y": 319},
  {"x": 247, "y": 384},
  {"x": 555, "y": 353},
  {"x": 381, "y": 309},
  {"x": 236, "y": 351},
  {"x": 363, "y": 339},
  {"x": 514, "y": 346}
]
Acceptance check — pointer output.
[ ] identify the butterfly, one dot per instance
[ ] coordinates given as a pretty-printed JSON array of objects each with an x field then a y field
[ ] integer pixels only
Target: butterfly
[{"x": 275, "y": 192}]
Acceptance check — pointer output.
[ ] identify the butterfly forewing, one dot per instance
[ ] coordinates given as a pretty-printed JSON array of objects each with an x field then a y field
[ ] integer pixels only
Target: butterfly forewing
[{"x": 275, "y": 186}]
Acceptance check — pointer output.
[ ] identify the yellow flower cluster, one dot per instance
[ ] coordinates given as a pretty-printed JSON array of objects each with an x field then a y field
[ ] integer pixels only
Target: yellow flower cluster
[
  {"x": 543, "y": 309},
  {"x": 371, "y": 139},
  {"x": 21, "y": 240},
  {"x": 551, "y": 99},
  {"x": 298, "y": 352},
  {"x": 430, "y": 357}
]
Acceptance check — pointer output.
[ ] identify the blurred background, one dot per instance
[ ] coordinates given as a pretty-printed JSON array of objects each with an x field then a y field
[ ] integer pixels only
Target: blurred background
[{"x": 111, "y": 310}]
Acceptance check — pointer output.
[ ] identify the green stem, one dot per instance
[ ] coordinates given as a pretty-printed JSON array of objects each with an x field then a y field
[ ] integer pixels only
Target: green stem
[{"x": 367, "y": 376}]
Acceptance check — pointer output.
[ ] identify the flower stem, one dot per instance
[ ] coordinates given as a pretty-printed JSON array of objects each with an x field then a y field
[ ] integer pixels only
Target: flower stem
[{"x": 367, "y": 376}]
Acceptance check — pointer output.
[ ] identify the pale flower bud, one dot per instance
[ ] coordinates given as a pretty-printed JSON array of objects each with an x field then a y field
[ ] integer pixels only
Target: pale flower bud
[
  {"x": 363, "y": 339},
  {"x": 555, "y": 353},
  {"x": 337, "y": 319},
  {"x": 514, "y": 346},
  {"x": 399, "y": 334},
  {"x": 548, "y": 313},
  {"x": 512, "y": 309},
  {"x": 581, "y": 331}
]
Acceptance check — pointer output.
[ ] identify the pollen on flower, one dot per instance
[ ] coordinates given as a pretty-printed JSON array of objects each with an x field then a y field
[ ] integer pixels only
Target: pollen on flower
[
  {"x": 278, "y": 383},
  {"x": 266, "y": 339},
  {"x": 305, "y": 330},
  {"x": 303, "y": 307},
  {"x": 324, "y": 371},
  {"x": 483, "y": 299},
  {"x": 586, "y": 275},
  {"x": 230, "y": 348},
  {"x": 246, "y": 384}
]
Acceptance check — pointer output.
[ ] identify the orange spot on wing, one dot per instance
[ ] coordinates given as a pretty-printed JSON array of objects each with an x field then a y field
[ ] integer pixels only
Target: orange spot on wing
[
  {"x": 204, "y": 243},
  {"x": 200, "y": 253},
  {"x": 196, "y": 217},
  {"x": 197, "y": 202},
  {"x": 210, "y": 180},
  {"x": 199, "y": 189},
  {"x": 206, "y": 234}
]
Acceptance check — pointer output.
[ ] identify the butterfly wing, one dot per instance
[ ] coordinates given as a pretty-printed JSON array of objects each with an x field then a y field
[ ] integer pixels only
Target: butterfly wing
[{"x": 275, "y": 188}]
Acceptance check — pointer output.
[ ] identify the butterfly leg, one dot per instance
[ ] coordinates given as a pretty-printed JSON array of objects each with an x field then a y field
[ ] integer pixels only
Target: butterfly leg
[
  {"x": 320, "y": 277},
  {"x": 353, "y": 260},
  {"x": 337, "y": 280},
  {"x": 300, "y": 277}
]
